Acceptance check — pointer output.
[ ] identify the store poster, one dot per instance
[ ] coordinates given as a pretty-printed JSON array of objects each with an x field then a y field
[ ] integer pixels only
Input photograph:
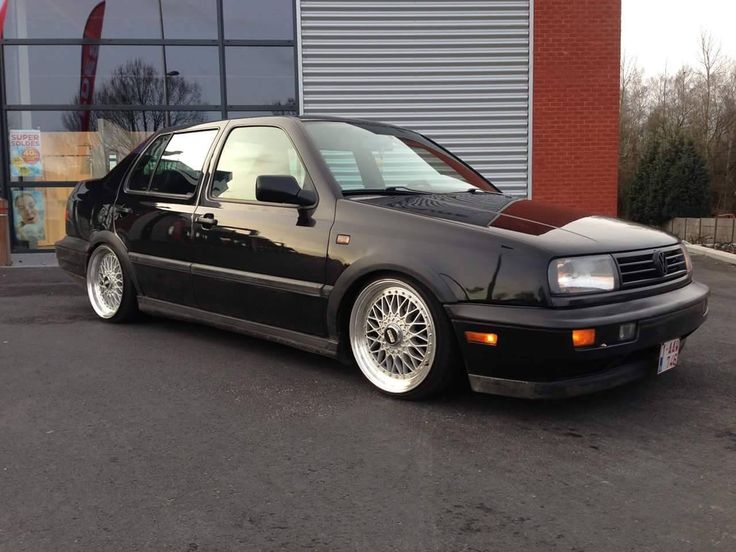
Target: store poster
[
  {"x": 25, "y": 154},
  {"x": 29, "y": 216}
]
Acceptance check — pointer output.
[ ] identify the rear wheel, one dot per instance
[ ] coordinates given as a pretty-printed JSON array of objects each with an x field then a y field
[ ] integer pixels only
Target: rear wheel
[
  {"x": 401, "y": 339},
  {"x": 109, "y": 288}
]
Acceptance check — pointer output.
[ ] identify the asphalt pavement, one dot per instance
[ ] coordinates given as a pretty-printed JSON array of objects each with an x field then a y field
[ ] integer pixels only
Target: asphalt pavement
[{"x": 163, "y": 436}]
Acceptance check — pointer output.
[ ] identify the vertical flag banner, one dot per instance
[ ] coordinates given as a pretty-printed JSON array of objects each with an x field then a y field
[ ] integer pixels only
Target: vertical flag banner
[
  {"x": 90, "y": 53},
  {"x": 3, "y": 11}
]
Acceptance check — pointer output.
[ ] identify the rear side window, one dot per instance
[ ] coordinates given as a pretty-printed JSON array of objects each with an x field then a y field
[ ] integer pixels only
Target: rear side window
[
  {"x": 140, "y": 177},
  {"x": 180, "y": 167}
]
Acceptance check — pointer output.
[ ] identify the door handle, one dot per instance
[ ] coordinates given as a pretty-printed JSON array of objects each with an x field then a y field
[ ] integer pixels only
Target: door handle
[
  {"x": 207, "y": 220},
  {"x": 123, "y": 210}
]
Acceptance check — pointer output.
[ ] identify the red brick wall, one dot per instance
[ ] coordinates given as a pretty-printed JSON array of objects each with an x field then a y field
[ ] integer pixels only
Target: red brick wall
[{"x": 576, "y": 103}]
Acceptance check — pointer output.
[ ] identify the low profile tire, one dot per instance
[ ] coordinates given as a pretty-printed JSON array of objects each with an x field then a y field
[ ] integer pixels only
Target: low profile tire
[
  {"x": 401, "y": 339},
  {"x": 109, "y": 288}
]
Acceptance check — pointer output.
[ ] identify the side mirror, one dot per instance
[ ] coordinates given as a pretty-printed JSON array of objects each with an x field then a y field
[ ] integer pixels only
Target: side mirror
[{"x": 283, "y": 189}]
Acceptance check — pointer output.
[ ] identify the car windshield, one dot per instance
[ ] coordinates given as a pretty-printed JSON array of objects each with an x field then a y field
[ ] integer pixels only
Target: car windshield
[{"x": 373, "y": 158}]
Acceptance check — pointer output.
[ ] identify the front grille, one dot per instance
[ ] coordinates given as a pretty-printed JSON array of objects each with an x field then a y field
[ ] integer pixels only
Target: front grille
[{"x": 640, "y": 268}]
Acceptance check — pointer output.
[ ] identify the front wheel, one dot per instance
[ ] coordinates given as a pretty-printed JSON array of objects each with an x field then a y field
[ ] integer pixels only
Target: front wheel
[
  {"x": 110, "y": 290},
  {"x": 401, "y": 339}
]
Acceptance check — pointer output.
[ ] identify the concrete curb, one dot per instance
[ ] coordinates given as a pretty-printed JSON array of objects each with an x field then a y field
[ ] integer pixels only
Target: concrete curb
[
  {"x": 712, "y": 253},
  {"x": 33, "y": 260}
]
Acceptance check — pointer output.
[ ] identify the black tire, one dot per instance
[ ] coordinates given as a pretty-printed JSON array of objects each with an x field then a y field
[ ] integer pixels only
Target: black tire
[
  {"x": 101, "y": 288},
  {"x": 370, "y": 338}
]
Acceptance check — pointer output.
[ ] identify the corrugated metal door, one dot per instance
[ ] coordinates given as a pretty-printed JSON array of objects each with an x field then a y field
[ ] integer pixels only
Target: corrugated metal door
[{"x": 457, "y": 71}]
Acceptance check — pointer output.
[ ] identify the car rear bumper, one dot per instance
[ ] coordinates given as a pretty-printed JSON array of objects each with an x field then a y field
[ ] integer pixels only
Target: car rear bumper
[
  {"x": 535, "y": 358},
  {"x": 71, "y": 253}
]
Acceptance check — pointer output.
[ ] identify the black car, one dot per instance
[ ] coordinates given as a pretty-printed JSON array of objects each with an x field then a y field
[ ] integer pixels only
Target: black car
[{"x": 373, "y": 244}]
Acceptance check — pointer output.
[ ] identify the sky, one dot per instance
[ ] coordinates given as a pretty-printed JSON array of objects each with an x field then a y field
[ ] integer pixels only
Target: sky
[{"x": 664, "y": 34}]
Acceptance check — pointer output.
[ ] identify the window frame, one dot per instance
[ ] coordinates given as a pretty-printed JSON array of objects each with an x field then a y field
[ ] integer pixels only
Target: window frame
[
  {"x": 205, "y": 165},
  {"x": 308, "y": 182}
]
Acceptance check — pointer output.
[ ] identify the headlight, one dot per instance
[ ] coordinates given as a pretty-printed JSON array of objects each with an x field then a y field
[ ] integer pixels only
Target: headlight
[{"x": 583, "y": 274}]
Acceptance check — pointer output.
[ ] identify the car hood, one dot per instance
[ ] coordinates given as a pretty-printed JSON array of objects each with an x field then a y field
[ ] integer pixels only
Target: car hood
[{"x": 535, "y": 222}]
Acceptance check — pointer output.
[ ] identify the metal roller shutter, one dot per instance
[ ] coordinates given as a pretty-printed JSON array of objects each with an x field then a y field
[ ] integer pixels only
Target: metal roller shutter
[{"x": 457, "y": 71}]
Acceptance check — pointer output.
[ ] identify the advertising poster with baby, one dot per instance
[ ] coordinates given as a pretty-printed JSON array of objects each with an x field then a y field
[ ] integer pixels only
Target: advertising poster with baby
[
  {"x": 25, "y": 154},
  {"x": 29, "y": 214}
]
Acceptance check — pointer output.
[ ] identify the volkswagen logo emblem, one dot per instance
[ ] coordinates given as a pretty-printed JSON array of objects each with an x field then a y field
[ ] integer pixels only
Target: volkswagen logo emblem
[{"x": 660, "y": 262}]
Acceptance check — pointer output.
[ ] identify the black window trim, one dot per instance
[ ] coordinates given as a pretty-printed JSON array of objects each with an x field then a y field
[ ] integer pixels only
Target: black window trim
[
  {"x": 204, "y": 175},
  {"x": 216, "y": 161}
]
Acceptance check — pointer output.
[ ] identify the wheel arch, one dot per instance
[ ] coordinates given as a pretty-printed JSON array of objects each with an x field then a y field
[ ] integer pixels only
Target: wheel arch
[
  {"x": 355, "y": 278},
  {"x": 105, "y": 237}
]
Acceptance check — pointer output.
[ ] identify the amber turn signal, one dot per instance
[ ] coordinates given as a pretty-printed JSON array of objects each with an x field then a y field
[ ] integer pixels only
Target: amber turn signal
[
  {"x": 583, "y": 338},
  {"x": 482, "y": 338}
]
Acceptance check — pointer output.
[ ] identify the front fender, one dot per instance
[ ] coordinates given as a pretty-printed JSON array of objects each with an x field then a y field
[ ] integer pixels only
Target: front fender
[{"x": 441, "y": 286}]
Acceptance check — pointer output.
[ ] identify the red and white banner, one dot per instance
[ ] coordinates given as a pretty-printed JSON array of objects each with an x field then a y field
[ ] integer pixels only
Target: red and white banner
[
  {"x": 3, "y": 11},
  {"x": 90, "y": 53}
]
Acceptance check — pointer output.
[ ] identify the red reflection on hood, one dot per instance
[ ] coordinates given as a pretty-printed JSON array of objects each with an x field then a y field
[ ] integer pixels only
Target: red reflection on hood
[{"x": 532, "y": 217}]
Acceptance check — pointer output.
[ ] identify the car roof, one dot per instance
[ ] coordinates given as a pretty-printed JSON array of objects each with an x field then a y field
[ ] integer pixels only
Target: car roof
[{"x": 277, "y": 118}]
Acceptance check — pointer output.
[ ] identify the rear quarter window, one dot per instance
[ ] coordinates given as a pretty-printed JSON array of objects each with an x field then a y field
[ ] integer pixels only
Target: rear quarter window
[{"x": 140, "y": 176}]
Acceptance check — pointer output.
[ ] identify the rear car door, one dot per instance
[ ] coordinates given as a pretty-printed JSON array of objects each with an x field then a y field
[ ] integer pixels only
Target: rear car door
[
  {"x": 262, "y": 262},
  {"x": 154, "y": 212}
]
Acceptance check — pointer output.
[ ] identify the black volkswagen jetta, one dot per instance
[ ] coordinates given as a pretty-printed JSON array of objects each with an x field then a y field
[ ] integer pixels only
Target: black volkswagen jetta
[{"x": 371, "y": 243}]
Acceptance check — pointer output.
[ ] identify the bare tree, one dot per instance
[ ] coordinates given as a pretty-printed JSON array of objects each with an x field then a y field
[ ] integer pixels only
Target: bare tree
[
  {"x": 137, "y": 83},
  {"x": 697, "y": 104}
]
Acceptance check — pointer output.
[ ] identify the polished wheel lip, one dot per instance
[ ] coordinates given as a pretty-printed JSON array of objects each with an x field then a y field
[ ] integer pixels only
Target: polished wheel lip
[
  {"x": 392, "y": 335},
  {"x": 105, "y": 284}
]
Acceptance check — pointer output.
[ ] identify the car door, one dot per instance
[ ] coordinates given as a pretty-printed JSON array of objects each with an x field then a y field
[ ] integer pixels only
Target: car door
[
  {"x": 262, "y": 262},
  {"x": 154, "y": 211}
]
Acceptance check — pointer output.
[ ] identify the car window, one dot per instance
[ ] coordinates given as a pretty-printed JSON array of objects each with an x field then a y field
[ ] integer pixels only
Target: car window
[
  {"x": 140, "y": 176},
  {"x": 250, "y": 152},
  {"x": 344, "y": 168},
  {"x": 180, "y": 168},
  {"x": 388, "y": 157}
]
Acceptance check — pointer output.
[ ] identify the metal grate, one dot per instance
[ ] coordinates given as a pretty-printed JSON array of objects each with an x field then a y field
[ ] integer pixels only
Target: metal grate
[
  {"x": 641, "y": 268},
  {"x": 455, "y": 70}
]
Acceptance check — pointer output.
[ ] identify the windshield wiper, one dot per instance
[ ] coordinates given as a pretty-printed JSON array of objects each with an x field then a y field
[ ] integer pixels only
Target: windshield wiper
[{"x": 388, "y": 190}]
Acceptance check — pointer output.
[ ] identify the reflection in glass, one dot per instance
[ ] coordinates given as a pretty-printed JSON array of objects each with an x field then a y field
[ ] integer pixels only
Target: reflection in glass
[
  {"x": 250, "y": 152},
  {"x": 70, "y": 154},
  {"x": 66, "y": 18},
  {"x": 258, "y": 19},
  {"x": 198, "y": 67},
  {"x": 195, "y": 19},
  {"x": 180, "y": 167},
  {"x": 245, "y": 114},
  {"x": 261, "y": 75},
  {"x": 52, "y": 74},
  {"x": 38, "y": 216},
  {"x": 140, "y": 176}
]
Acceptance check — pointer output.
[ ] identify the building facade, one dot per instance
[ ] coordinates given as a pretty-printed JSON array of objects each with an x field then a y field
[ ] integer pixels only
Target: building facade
[{"x": 526, "y": 91}]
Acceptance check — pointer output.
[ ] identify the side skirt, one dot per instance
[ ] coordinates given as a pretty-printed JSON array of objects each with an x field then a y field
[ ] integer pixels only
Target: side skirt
[{"x": 310, "y": 343}]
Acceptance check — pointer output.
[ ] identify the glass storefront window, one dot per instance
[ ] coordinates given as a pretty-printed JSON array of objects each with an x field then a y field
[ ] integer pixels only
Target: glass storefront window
[
  {"x": 124, "y": 75},
  {"x": 67, "y": 18},
  {"x": 73, "y": 111},
  {"x": 194, "y": 75},
  {"x": 260, "y": 75},
  {"x": 38, "y": 216},
  {"x": 196, "y": 19},
  {"x": 258, "y": 19},
  {"x": 63, "y": 152}
]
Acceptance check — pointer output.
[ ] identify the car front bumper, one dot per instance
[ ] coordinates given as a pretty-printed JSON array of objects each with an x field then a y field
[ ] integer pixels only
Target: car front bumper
[{"x": 534, "y": 356}]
